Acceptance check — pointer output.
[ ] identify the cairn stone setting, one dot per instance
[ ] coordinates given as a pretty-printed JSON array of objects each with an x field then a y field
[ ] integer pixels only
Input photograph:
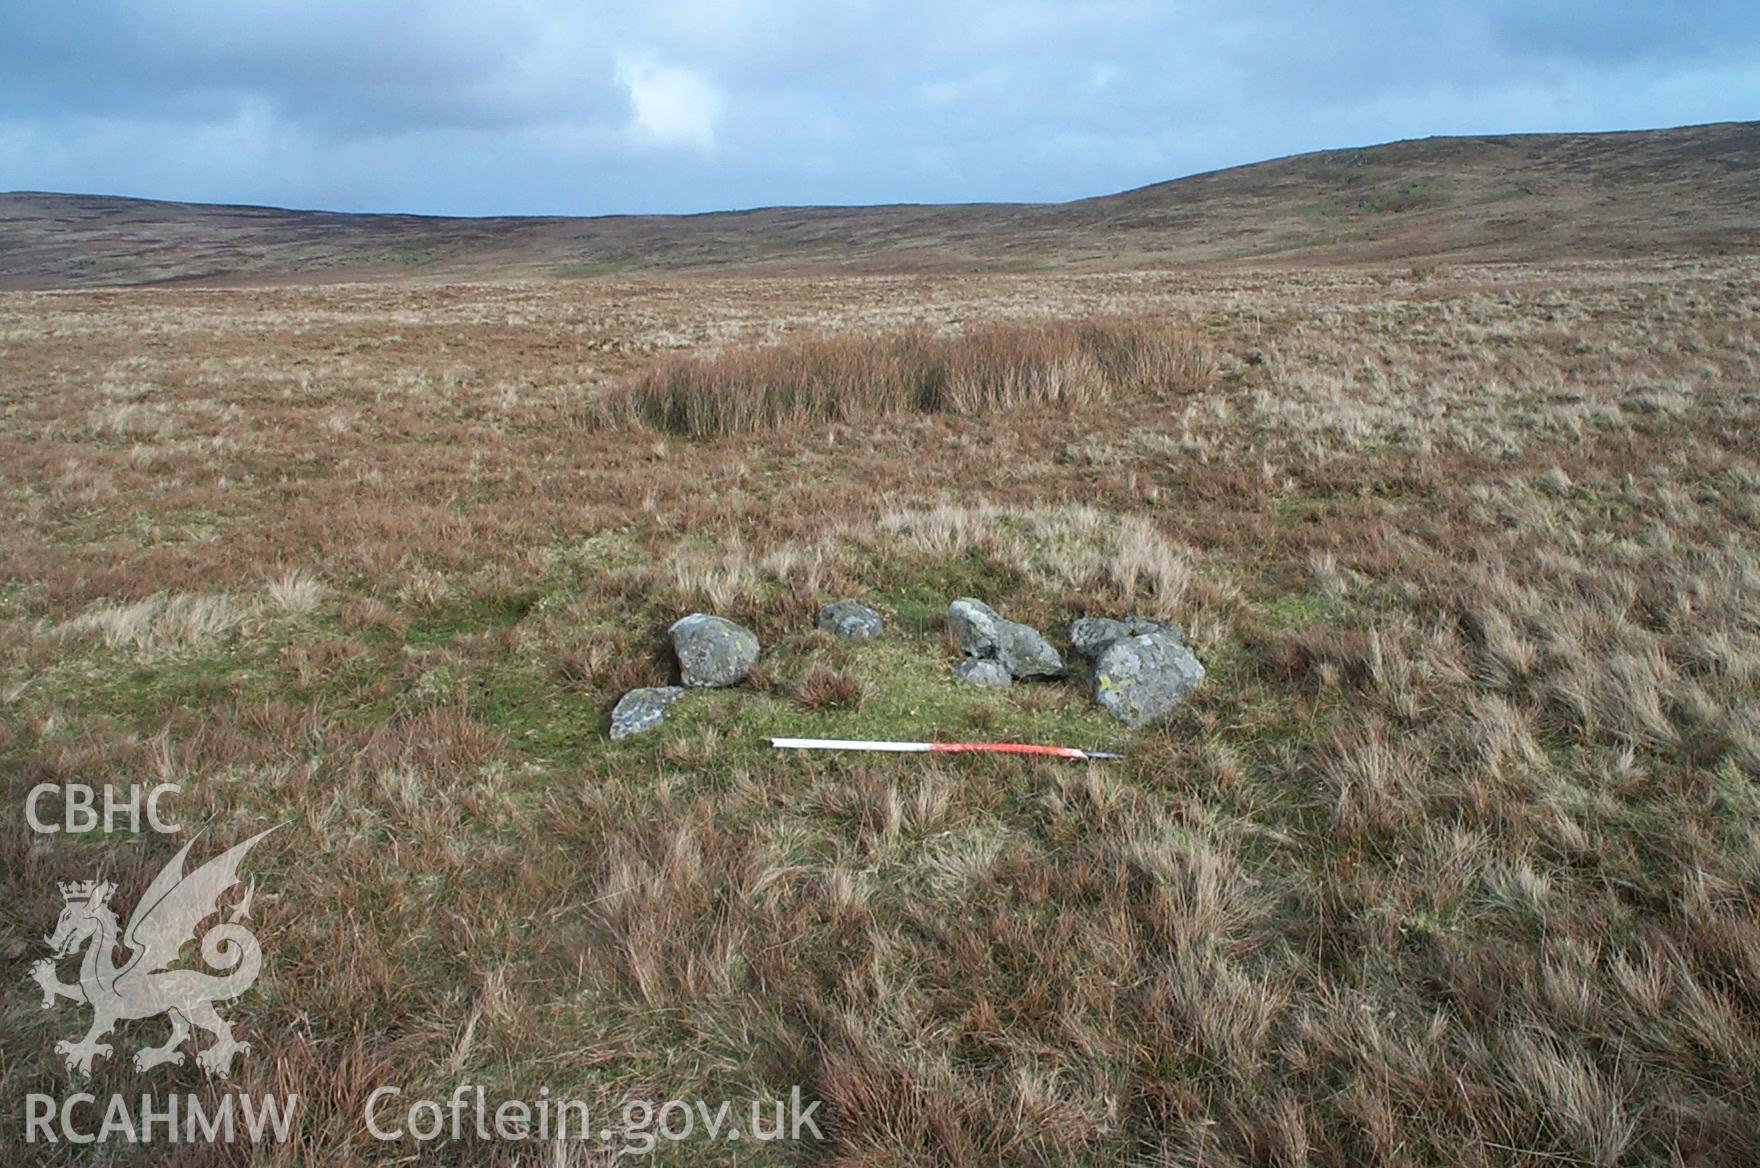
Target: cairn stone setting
[
  {"x": 712, "y": 650},
  {"x": 973, "y": 624},
  {"x": 1140, "y": 679},
  {"x": 982, "y": 671},
  {"x": 851, "y": 620},
  {"x": 1093, "y": 635},
  {"x": 641, "y": 710},
  {"x": 985, "y": 634}
]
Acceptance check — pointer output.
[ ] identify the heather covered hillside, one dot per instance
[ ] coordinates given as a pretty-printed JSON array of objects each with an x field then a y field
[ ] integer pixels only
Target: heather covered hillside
[{"x": 1693, "y": 191}]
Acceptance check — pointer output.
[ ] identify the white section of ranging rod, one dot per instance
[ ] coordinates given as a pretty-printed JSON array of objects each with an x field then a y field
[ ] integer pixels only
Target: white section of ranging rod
[
  {"x": 939, "y": 747},
  {"x": 850, "y": 744}
]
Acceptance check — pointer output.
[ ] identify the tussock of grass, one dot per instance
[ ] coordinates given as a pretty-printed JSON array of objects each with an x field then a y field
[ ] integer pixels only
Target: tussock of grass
[
  {"x": 163, "y": 622},
  {"x": 841, "y": 379},
  {"x": 194, "y": 622}
]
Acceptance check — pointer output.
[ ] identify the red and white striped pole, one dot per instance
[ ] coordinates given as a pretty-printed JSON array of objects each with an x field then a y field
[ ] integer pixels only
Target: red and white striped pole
[{"x": 938, "y": 747}]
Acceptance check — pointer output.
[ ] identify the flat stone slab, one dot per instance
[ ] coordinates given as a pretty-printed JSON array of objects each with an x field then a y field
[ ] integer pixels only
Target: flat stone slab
[
  {"x": 642, "y": 709},
  {"x": 851, "y": 620},
  {"x": 982, "y": 671}
]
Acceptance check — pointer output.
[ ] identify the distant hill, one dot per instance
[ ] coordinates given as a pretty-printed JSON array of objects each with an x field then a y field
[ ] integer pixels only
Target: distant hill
[{"x": 1688, "y": 191}]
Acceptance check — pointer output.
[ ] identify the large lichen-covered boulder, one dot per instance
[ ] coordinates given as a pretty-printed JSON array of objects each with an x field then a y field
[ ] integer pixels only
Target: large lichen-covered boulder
[
  {"x": 851, "y": 620},
  {"x": 986, "y": 634},
  {"x": 1093, "y": 635},
  {"x": 982, "y": 671},
  {"x": 712, "y": 650},
  {"x": 1140, "y": 679},
  {"x": 642, "y": 709}
]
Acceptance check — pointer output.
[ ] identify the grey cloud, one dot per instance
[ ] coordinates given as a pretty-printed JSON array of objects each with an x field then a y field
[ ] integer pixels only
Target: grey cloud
[{"x": 552, "y": 106}]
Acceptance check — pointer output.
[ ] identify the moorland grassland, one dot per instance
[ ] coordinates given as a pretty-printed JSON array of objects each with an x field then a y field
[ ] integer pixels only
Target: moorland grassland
[{"x": 1454, "y": 859}]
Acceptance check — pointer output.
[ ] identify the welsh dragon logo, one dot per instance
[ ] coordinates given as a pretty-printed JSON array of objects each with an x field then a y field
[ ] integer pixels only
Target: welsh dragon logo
[{"x": 144, "y": 986}]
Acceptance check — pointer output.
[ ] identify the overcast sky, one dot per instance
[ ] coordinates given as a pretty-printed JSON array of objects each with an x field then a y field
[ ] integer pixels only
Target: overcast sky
[{"x": 545, "y": 106}]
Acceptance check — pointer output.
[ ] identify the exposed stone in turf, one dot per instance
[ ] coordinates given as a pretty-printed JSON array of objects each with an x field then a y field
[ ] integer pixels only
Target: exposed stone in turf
[
  {"x": 1093, "y": 635},
  {"x": 986, "y": 634},
  {"x": 983, "y": 672},
  {"x": 642, "y": 709},
  {"x": 851, "y": 620},
  {"x": 712, "y": 650},
  {"x": 1140, "y": 679}
]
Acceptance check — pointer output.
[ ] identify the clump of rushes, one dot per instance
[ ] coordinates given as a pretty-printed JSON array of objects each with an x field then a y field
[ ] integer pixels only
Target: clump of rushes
[{"x": 841, "y": 379}]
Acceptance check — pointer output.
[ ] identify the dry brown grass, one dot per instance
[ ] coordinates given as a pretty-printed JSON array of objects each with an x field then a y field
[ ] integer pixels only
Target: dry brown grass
[
  {"x": 1453, "y": 860},
  {"x": 823, "y": 688}
]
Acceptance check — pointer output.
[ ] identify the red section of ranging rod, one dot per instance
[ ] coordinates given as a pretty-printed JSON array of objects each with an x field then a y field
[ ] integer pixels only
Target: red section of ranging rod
[{"x": 1007, "y": 748}]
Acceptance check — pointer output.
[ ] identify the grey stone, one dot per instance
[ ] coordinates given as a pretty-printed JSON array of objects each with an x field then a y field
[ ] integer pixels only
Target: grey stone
[
  {"x": 712, "y": 650},
  {"x": 982, "y": 671},
  {"x": 851, "y": 620},
  {"x": 984, "y": 633},
  {"x": 642, "y": 709},
  {"x": 1141, "y": 679},
  {"x": 973, "y": 624},
  {"x": 1093, "y": 635},
  {"x": 1024, "y": 653}
]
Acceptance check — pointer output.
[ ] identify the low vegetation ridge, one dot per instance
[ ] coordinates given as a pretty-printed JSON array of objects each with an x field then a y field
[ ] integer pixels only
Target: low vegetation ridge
[{"x": 1686, "y": 191}]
